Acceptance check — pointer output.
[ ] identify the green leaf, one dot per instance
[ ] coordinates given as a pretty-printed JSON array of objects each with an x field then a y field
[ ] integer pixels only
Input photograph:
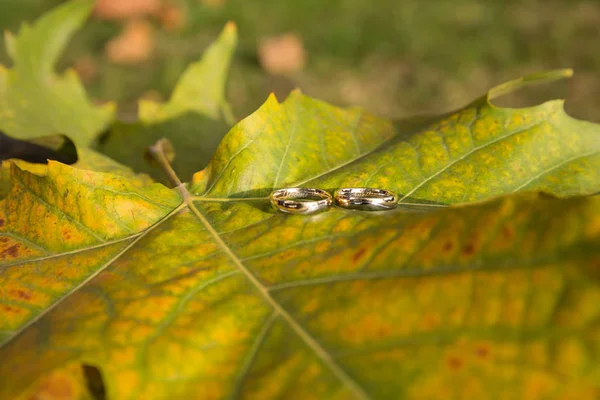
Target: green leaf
[
  {"x": 473, "y": 154},
  {"x": 338, "y": 305},
  {"x": 36, "y": 102},
  {"x": 195, "y": 138},
  {"x": 201, "y": 88},
  {"x": 220, "y": 296},
  {"x": 195, "y": 119}
]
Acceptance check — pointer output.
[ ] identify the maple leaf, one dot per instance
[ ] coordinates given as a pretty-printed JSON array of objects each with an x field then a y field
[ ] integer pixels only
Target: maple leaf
[
  {"x": 207, "y": 292},
  {"x": 34, "y": 101},
  {"x": 204, "y": 291}
]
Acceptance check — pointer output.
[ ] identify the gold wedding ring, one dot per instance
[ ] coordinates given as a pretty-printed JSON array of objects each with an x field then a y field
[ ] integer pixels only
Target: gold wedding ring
[
  {"x": 300, "y": 200},
  {"x": 369, "y": 199}
]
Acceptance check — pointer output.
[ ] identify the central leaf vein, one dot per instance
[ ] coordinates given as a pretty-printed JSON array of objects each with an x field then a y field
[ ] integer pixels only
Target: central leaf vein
[{"x": 310, "y": 341}]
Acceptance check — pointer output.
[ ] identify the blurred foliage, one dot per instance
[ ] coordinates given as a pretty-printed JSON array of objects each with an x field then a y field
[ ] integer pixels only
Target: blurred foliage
[{"x": 393, "y": 57}]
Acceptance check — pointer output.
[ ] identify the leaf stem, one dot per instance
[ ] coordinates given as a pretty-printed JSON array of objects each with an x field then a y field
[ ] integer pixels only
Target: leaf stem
[{"x": 158, "y": 152}]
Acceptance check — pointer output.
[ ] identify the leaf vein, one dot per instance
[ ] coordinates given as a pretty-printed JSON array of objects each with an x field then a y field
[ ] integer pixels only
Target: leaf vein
[
  {"x": 260, "y": 339},
  {"x": 92, "y": 276},
  {"x": 311, "y": 342},
  {"x": 555, "y": 167},
  {"x": 467, "y": 154}
]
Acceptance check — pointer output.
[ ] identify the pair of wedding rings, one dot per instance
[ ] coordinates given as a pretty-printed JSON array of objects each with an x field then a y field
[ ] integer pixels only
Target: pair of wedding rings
[{"x": 309, "y": 200}]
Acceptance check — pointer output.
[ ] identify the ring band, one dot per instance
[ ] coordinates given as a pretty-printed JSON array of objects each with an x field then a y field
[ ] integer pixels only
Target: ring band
[
  {"x": 300, "y": 200},
  {"x": 370, "y": 199}
]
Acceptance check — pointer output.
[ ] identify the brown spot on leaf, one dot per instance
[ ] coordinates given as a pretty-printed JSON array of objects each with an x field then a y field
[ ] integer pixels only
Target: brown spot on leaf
[
  {"x": 1, "y": 222},
  {"x": 468, "y": 249},
  {"x": 11, "y": 310},
  {"x": 508, "y": 233},
  {"x": 3, "y": 239},
  {"x": 361, "y": 252},
  {"x": 482, "y": 352},
  {"x": 383, "y": 331},
  {"x": 11, "y": 251},
  {"x": 455, "y": 363},
  {"x": 448, "y": 246},
  {"x": 21, "y": 294}
]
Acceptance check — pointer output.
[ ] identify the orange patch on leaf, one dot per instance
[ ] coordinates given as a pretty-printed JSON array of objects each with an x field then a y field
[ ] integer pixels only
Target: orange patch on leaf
[
  {"x": 482, "y": 352},
  {"x": 20, "y": 294},
  {"x": 455, "y": 363},
  {"x": 448, "y": 246},
  {"x": 11, "y": 310}
]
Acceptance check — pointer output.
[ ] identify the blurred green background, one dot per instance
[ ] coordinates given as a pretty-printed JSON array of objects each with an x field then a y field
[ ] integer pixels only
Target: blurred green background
[{"x": 395, "y": 58}]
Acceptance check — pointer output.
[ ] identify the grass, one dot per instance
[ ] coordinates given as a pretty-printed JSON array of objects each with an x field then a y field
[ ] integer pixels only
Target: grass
[{"x": 393, "y": 57}]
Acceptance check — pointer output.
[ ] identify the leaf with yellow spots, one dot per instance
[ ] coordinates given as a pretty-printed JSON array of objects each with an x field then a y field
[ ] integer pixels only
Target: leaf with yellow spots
[
  {"x": 67, "y": 383},
  {"x": 34, "y": 100},
  {"x": 473, "y": 154},
  {"x": 212, "y": 294},
  {"x": 53, "y": 211},
  {"x": 87, "y": 159}
]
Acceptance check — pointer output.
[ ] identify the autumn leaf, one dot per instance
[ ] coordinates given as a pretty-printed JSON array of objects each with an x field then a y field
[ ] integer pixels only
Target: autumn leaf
[
  {"x": 195, "y": 118},
  {"x": 134, "y": 45},
  {"x": 473, "y": 154},
  {"x": 282, "y": 55},
  {"x": 87, "y": 159},
  {"x": 206, "y": 292},
  {"x": 34, "y": 100}
]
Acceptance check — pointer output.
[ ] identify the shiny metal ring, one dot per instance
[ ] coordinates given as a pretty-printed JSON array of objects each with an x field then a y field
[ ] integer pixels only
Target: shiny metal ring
[
  {"x": 369, "y": 199},
  {"x": 300, "y": 200}
]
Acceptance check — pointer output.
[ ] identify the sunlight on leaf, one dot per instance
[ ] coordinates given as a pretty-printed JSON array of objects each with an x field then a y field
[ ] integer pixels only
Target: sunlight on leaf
[
  {"x": 472, "y": 154},
  {"x": 229, "y": 298}
]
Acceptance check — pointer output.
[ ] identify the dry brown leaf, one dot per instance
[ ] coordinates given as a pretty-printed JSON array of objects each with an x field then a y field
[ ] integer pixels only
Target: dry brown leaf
[
  {"x": 172, "y": 17},
  {"x": 135, "y": 43},
  {"x": 124, "y": 9},
  {"x": 282, "y": 55}
]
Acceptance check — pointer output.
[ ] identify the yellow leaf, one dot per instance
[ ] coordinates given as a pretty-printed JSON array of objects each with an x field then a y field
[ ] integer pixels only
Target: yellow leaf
[{"x": 221, "y": 296}]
